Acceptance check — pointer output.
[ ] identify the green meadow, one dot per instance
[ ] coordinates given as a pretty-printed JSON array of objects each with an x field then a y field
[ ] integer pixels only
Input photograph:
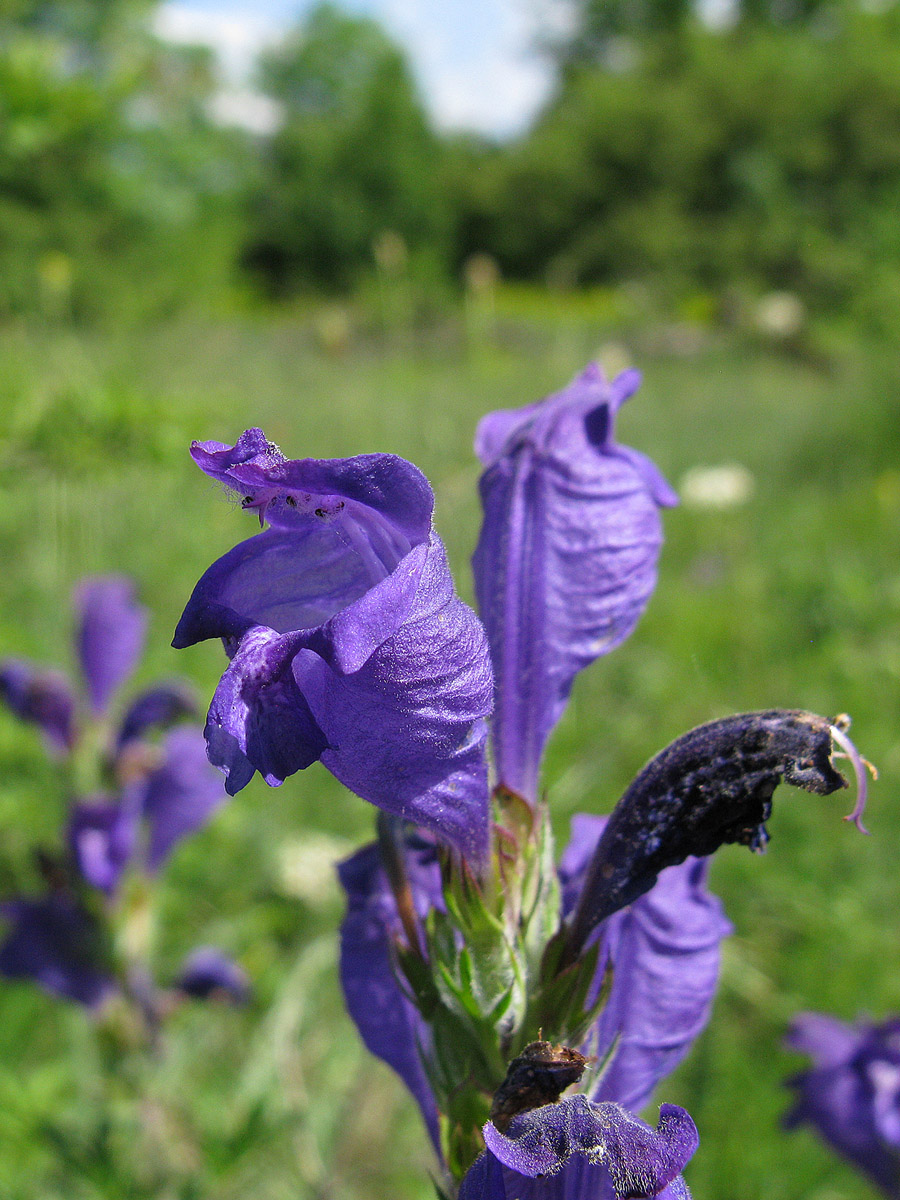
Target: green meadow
[{"x": 790, "y": 597}]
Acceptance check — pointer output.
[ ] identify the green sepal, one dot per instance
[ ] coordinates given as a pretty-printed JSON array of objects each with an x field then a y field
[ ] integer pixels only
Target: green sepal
[
  {"x": 418, "y": 975},
  {"x": 487, "y": 975},
  {"x": 559, "y": 1006},
  {"x": 461, "y": 1136}
]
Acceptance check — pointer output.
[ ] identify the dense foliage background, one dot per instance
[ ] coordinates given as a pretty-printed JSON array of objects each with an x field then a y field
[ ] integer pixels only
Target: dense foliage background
[
  {"x": 716, "y": 206},
  {"x": 764, "y": 155}
]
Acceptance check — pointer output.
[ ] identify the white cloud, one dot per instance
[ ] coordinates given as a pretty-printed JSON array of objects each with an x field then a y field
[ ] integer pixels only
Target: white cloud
[
  {"x": 247, "y": 109},
  {"x": 237, "y": 37},
  {"x": 475, "y": 59}
]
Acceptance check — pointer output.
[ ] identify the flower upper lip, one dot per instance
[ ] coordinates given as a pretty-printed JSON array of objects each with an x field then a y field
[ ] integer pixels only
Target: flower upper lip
[{"x": 348, "y": 643}]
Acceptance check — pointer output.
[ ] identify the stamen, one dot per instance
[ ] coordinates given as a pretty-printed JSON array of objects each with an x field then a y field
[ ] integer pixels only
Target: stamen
[
  {"x": 838, "y": 732},
  {"x": 260, "y": 502}
]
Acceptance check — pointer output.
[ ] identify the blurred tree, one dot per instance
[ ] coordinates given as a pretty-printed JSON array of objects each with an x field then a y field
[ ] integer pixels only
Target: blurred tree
[
  {"x": 597, "y": 27},
  {"x": 107, "y": 158},
  {"x": 354, "y": 157},
  {"x": 728, "y": 164}
]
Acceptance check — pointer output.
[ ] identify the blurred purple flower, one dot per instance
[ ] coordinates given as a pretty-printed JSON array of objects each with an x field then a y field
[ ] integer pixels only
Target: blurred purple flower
[
  {"x": 164, "y": 790},
  {"x": 40, "y": 697},
  {"x": 55, "y": 942},
  {"x": 566, "y": 561},
  {"x": 578, "y": 1150},
  {"x": 180, "y": 796},
  {"x": 173, "y": 797},
  {"x": 110, "y": 635},
  {"x": 109, "y": 638},
  {"x": 102, "y": 838},
  {"x": 851, "y": 1094},
  {"x": 207, "y": 974},
  {"x": 347, "y": 642}
]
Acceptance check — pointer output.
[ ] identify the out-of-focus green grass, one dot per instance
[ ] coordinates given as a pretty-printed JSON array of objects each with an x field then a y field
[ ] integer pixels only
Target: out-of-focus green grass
[{"x": 792, "y": 599}]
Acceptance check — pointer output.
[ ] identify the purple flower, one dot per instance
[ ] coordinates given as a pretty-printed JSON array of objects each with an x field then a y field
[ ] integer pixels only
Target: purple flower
[
  {"x": 109, "y": 638},
  {"x": 851, "y": 1094},
  {"x": 164, "y": 790},
  {"x": 174, "y": 796},
  {"x": 567, "y": 556},
  {"x": 103, "y": 837},
  {"x": 347, "y": 642},
  {"x": 207, "y": 974},
  {"x": 578, "y": 1150},
  {"x": 55, "y": 942}
]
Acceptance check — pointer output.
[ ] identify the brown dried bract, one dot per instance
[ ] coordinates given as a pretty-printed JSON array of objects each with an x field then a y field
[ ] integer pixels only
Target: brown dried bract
[{"x": 538, "y": 1076}]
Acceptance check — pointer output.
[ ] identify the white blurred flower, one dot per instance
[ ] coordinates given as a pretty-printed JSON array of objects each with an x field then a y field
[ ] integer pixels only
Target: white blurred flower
[
  {"x": 781, "y": 314},
  {"x": 724, "y": 486},
  {"x": 306, "y": 867}
]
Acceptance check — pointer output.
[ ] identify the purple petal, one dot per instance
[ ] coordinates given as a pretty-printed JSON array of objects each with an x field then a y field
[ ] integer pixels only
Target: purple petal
[
  {"x": 379, "y": 670},
  {"x": 156, "y": 708},
  {"x": 665, "y": 951},
  {"x": 103, "y": 838},
  {"x": 389, "y": 1024},
  {"x": 405, "y": 730},
  {"x": 566, "y": 561},
  {"x": 207, "y": 974},
  {"x": 281, "y": 580},
  {"x": 484, "y": 1180},
  {"x": 43, "y": 698},
  {"x": 828, "y": 1041},
  {"x": 110, "y": 637},
  {"x": 54, "y": 942},
  {"x": 384, "y": 498},
  {"x": 487, "y": 1179},
  {"x": 259, "y": 718},
  {"x": 181, "y": 795},
  {"x": 640, "y": 1161},
  {"x": 852, "y": 1095},
  {"x": 217, "y": 459}
]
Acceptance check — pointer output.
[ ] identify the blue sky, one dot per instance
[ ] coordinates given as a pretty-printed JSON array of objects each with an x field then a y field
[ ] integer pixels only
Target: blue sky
[{"x": 473, "y": 58}]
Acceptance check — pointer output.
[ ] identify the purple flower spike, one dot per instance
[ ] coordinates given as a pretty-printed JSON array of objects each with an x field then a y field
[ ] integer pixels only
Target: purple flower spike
[
  {"x": 851, "y": 1095},
  {"x": 110, "y": 635},
  {"x": 347, "y": 641},
  {"x": 43, "y": 698},
  {"x": 55, "y": 943},
  {"x": 207, "y": 974},
  {"x": 665, "y": 951},
  {"x": 388, "y": 1022},
  {"x": 566, "y": 561},
  {"x": 596, "y": 1149}
]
